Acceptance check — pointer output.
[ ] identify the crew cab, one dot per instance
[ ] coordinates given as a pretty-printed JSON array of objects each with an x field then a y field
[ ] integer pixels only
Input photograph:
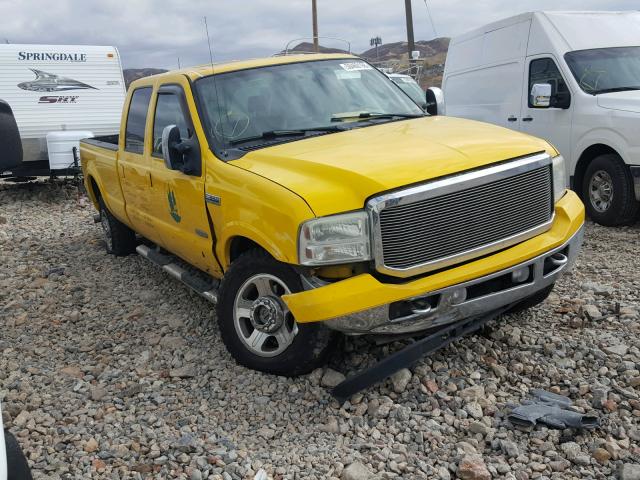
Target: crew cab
[{"x": 307, "y": 195}]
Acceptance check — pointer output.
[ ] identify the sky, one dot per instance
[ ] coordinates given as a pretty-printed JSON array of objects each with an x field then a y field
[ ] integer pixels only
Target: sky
[{"x": 156, "y": 33}]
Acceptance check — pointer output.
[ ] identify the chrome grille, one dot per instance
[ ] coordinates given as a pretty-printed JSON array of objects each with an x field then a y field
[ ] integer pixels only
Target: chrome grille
[{"x": 453, "y": 220}]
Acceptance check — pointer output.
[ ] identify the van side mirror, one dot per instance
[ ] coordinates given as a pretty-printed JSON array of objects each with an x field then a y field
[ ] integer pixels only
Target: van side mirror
[
  {"x": 541, "y": 95},
  {"x": 11, "y": 155},
  {"x": 435, "y": 101}
]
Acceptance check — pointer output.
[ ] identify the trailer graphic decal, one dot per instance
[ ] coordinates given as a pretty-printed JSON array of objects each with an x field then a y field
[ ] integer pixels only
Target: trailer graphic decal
[{"x": 48, "y": 82}]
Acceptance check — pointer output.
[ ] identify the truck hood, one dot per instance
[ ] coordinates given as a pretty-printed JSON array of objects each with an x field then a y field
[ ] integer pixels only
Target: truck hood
[
  {"x": 624, "y": 101},
  {"x": 338, "y": 172}
]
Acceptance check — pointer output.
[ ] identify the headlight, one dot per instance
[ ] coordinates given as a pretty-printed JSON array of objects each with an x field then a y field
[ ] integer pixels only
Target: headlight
[
  {"x": 336, "y": 239},
  {"x": 559, "y": 178}
]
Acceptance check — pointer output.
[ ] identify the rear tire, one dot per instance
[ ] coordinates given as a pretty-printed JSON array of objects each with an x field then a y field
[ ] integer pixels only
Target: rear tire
[
  {"x": 18, "y": 468},
  {"x": 607, "y": 191},
  {"x": 255, "y": 325},
  {"x": 530, "y": 302},
  {"x": 119, "y": 239}
]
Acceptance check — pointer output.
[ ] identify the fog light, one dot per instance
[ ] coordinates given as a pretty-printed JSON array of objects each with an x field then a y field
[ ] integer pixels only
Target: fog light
[
  {"x": 459, "y": 295},
  {"x": 520, "y": 275}
]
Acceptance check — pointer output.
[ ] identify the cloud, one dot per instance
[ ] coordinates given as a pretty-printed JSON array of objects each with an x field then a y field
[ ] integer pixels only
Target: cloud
[{"x": 156, "y": 33}]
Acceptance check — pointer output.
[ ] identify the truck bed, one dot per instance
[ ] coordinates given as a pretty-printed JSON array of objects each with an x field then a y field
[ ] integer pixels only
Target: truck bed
[{"x": 106, "y": 141}]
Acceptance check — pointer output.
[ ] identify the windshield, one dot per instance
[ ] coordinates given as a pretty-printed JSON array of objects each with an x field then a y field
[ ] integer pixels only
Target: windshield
[
  {"x": 603, "y": 70},
  {"x": 411, "y": 88},
  {"x": 298, "y": 99}
]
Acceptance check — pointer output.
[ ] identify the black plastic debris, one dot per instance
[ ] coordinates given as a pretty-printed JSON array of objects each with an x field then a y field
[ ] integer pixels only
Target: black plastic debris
[{"x": 552, "y": 410}]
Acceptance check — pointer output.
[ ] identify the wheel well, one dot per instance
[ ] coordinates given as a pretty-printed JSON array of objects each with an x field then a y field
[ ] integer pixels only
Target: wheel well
[
  {"x": 585, "y": 159},
  {"x": 94, "y": 190},
  {"x": 239, "y": 245}
]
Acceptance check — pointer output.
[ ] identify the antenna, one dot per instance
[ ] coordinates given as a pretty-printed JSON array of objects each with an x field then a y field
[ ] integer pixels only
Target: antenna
[
  {"x": 179, "y": 66},
  {"x": 215, "y": 87},
  {"x": 433, "y": 25}
]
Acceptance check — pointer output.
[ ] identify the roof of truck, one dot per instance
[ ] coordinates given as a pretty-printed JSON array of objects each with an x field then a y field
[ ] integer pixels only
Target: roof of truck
[
  {"x": 204, "y": 70},
  {"x": 579, "y": 29}
]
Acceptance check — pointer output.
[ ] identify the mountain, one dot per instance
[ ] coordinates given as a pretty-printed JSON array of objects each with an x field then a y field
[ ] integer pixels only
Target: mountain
[
  {"x": 307, "y": 47},
  {"x": 131, "y": 74}
]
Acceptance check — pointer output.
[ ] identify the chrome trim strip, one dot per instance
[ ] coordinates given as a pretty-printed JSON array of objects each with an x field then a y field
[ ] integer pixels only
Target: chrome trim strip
[{"x": 444, "y": 186}]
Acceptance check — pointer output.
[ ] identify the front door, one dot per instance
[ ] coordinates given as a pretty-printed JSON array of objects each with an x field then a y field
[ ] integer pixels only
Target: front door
[
  {"x": 552, "y": 123},
  {"x": 179, "y": 210}
]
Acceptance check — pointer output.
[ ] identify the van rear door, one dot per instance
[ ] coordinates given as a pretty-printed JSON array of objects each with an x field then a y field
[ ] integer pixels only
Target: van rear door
[{"x": 485, "y": 73}]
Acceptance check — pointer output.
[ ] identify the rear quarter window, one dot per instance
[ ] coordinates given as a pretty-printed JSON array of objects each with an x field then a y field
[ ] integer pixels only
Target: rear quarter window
[{"x": 136, "y": 120}]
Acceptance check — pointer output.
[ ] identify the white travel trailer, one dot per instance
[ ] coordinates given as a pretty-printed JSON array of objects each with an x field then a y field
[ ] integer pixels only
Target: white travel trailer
[
  {"x": 63, "y": 92},
  {"x": 572, "y": 78}
]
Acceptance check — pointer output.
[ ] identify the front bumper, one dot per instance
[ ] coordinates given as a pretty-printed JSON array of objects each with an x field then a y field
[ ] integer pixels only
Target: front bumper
[{"x": 363, "y": 304}]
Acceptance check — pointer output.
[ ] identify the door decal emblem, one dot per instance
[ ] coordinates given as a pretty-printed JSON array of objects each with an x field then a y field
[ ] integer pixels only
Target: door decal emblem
[{"x": 173, "y": 207}]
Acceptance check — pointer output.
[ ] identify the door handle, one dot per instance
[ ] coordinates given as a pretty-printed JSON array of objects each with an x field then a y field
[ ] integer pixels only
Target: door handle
[
  {"x": 512, "y": 118},
  {"x": 527, "y": 119}
]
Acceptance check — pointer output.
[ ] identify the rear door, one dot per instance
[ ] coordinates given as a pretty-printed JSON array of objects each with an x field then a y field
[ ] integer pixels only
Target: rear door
[
  {"x": 553, "y": 123},
  {"x": 179, "y": 208},
  {"x": 134, "y": 165}
]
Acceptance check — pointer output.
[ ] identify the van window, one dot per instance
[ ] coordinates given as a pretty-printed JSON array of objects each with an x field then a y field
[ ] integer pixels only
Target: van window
[
  {"x": 545, "y": 70},
  {"x": 168, "y": 112},
  {"x": 136, "y": 120}
]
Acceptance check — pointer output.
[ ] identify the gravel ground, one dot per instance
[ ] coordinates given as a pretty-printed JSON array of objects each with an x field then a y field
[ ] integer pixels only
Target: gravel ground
[{"x": 110, "y": 369}]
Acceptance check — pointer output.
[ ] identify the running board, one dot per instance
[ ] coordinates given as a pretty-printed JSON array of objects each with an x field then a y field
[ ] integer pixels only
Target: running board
[{"x": 206, "y": 289}]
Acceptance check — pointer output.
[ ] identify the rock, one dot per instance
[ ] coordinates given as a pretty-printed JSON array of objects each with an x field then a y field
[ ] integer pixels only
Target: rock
[
  {"x": 474, "y": 409},
  {"x": 601, "y": 455},
  {"x": 472, "y": 467},
  {"x": 72, "y": 371},
  {"x": 472, "y": 393},
  {"x": 400, "y": 380},
  {"x": 629, "y": 471},
  {"x": 261, "y": 475},
  {"x": 22, "y": 419},
  {"x": 98, "y": 393},
  {"x": 509, "y": 448},
  {"x": 479, "y": 427},
  {"x": 598, "y": 288},
  {"x": 331, "y": 378},
  {"x": 620, "y": 350},
  {"x": 91, "y": 445},
  {"x": 356, "y": 471},
  {"x": 590, "y": 312},
  {"x": 443, "y": 473},
  {"x": 188, "y": 371}
]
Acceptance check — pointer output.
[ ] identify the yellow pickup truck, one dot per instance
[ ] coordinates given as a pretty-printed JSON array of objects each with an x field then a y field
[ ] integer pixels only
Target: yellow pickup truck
[{"x": 308, "y": 195}]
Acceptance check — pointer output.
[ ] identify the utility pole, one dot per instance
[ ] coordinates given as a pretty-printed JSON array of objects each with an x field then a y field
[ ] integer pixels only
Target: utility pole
[
  {"x": 314, "y": 12},
  {"x": 410, "y": 41},
  {"x": 375, "y": 41}
]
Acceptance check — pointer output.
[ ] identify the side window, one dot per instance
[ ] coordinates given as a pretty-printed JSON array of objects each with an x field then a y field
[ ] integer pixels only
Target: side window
[
  {"x": 545, "y": 70},
  {"x": 136, "y": 120},
  {"x": 168, "y": 112}
]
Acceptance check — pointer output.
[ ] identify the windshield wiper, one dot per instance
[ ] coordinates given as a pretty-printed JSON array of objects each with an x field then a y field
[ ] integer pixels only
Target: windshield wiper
[
  {"x": 365, "y": 115},
  {"x": 615, "y": 89},
  {"x": 273, "y": 134}
]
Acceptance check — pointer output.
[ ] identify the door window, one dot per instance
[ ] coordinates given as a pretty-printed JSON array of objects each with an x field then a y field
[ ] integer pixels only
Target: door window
[
  {"x": 168, "y": 112},
  {"x": 545, "y": 70},
  {"x": 136, "y": 120}
]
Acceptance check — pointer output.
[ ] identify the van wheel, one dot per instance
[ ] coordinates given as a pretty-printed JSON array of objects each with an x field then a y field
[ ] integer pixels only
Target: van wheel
[
  {"x": 119, "y": 239},
  {"x": 17, "y": 466},
  {"x": 257, "y": 327},
  {"x": 607, "y": 191}
]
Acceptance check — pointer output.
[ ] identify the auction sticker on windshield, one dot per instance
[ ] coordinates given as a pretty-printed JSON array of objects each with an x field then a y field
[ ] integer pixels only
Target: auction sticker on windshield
[{"x": 354, "y": 66}]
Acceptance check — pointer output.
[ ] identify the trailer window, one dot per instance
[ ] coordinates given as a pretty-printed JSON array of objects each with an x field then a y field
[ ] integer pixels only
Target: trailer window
[
  {"x": 545, "y": 70},
  {"x": 136, "y": 120}
]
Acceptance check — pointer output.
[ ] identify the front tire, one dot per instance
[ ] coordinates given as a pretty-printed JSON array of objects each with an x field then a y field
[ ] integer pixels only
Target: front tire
[
  {"x": 119, "y": 239},
  {"x": 257, "y": 327},
  {"x": 18, "y": 468},
  {"x": 607, "y": 191}
]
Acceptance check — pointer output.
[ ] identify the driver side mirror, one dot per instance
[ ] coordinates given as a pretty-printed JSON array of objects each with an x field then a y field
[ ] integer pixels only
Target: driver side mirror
[
  {"x": 171, "y": 140},
  {"x": 541, "y": 95},
  {"x": 435, "y": 101}
]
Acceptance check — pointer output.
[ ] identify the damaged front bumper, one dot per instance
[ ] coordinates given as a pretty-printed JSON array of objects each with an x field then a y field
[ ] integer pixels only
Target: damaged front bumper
[{"x": 364, "y": 305}]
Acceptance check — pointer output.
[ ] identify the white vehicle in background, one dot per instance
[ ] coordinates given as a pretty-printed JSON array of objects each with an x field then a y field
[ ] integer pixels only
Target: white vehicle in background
[
  {"x": 409, "y": 86},
  {"x": 59, "y": 94},
  {"x": 572, "y": 78}
]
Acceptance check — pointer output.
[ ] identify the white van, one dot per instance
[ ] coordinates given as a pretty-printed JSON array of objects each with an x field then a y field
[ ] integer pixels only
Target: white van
[
  {"x": 59, "y": 88},
  {"x": 572, "y": 78}
]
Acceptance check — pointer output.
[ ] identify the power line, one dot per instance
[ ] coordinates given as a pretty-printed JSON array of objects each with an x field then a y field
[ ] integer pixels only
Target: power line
[{"x": 433, "y": 25}]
